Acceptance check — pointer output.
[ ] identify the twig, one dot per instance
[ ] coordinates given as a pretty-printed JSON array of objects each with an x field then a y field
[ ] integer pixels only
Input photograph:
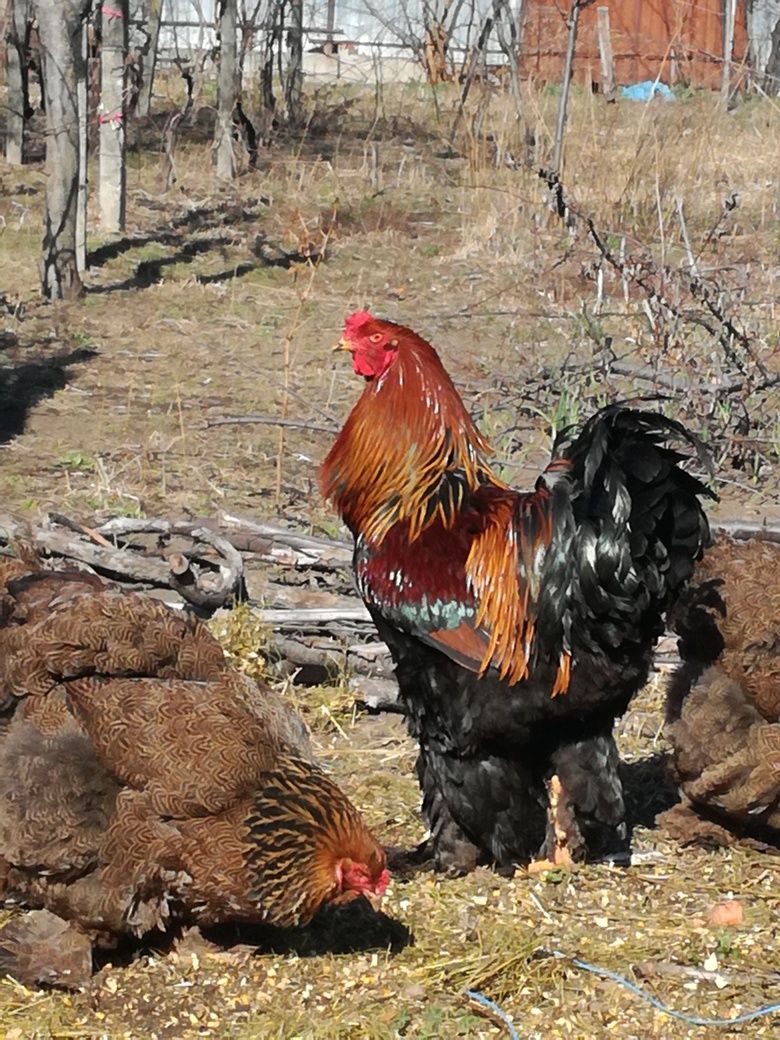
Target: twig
[
  {"x": 269, "y": 420},
  {"x": 684, "y": 232},
  {"x": 73, "y": 525}
]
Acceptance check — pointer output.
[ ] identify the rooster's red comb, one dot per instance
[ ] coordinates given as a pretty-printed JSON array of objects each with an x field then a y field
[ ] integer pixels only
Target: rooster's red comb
[{"x": 355, "y": 322}]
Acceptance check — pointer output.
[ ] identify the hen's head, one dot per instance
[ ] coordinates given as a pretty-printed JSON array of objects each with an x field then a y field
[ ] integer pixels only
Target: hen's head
[
  {"x": 369, "y": 877},
  {"x": 372, "y": 342}
]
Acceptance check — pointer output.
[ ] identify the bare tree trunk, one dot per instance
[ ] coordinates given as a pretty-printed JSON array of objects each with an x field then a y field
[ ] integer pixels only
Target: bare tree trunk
[
  {"x": 509, "y": 30},
  {"x": 730, "y": 10},
  {"x": 763, "y": 27},
  {"x": 271, "y": 40},
  {"x": 228, "y": 89},
  {"x": 83, "y": 186},
  {"x": 248, "y": 29},
  {"x": 150, "y": 57},
  {"x": 772, "y": 74},
  {"x": 18, "y": 109},
  {"x": 437, "y": 38},
  {"x": 60, "y": 29},
  {"x": 294, "y": 81},
  {"x": 112, "y": 172}
]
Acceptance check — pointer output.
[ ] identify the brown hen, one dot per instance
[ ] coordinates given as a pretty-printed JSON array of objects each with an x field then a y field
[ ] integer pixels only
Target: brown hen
[
  {"x": 145, "y": 781},
  {"x": 723, "y": 709}
]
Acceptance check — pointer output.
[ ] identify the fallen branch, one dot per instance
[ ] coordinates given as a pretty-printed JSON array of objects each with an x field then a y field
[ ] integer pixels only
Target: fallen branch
[
  {"x": 744, "y": 530},
  {"x": 303, "y": 617},
  {"x": 269, "y": 420}
]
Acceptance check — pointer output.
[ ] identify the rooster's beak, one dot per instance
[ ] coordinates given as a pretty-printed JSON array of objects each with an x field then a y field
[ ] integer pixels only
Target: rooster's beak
[{"x": 342, "y": 344}]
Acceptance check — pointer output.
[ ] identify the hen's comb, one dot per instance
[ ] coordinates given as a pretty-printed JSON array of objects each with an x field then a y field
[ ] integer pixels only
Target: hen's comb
[{"x": 355, "y": 322}]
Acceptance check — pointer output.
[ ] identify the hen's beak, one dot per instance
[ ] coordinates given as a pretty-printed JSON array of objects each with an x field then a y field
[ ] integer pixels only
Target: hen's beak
[
  {"x": 342, "y": 344},
  {"x": 375, "y": 899}
]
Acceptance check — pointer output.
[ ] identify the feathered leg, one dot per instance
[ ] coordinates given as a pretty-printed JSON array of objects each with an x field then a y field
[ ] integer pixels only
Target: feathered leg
[
  {"x": 486, "y": 810},
  {"x": 452, "y": 851},
  {"x": 588, "y": 772}
]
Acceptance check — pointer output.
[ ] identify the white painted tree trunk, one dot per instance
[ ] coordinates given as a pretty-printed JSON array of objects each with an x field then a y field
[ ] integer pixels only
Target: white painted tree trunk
[
  {"x": 61, "y": 30},
  {"x": 228, "y": 89},
  {"x": 111, "y": 168},
  {"x": 16, "y": 80},
  {"x": 729, "y": 16},
  {"x": 763, "y": 27}
]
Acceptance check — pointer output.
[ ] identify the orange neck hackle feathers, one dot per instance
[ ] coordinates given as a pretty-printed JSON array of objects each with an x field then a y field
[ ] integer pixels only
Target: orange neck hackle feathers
[
  {"x": 388, "y": 466},
  {"x": 407, "y": 430}
]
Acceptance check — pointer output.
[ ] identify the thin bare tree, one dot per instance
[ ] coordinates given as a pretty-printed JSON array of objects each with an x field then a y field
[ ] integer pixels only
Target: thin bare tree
[
  {"x": 563, "y": 102},
  {"x": 227, "y": 88},
  {"x": 293, "y": 84},
  {"x": 149, "y": 57},
  {"x": 111, "y": 118},
  {"x": 61, "y": 31},
  {"x": 17, "y": 18}
]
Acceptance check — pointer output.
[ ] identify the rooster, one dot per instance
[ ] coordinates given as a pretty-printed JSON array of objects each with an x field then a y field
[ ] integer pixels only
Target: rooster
[
  {"x": 723, "y": 706},
  {"x": 520, "y": 623},
  {"x": 145, "y": 782}
]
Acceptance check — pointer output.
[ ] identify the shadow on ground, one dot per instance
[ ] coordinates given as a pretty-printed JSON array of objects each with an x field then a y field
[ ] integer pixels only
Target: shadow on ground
[
  {"x": 648, "y": 790},
  {"x": 23, "y": 385}
]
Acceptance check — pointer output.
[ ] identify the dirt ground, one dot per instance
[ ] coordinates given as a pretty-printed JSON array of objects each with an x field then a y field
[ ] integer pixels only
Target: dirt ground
[{"x": 223, "y": 303}]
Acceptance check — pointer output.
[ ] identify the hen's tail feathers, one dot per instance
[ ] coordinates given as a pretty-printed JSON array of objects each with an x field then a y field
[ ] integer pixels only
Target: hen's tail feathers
[
  {"x": 632, "y": 523},
  {"x": 58, "y": 626}
]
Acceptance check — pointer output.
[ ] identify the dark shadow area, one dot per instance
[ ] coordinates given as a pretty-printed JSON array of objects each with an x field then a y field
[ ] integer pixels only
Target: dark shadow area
[
  {"x": 238, "y": 271},
  {"x": 150, "y": 272},
  {"x": 23, "y": 385},
  {"x": 199, "y": 218},
  {"x": 111, "y": 250},
  {"x": 648, "y": 789},
  {"x": 354, "y": 928}
]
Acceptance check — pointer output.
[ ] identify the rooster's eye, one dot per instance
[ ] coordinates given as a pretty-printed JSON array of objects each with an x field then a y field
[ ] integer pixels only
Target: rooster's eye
[{"x": 376, "y": 337}]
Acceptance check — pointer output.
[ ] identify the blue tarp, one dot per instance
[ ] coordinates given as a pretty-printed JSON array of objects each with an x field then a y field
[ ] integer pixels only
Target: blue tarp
[{"x": 645, "y": 90}]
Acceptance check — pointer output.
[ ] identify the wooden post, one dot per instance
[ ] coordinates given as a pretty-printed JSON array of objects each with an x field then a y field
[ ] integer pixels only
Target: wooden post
[
  {"x": 227, "y": 89},
  {"x": 150, "y": 58},
  {"x": 60, "y": 27},
  {"x": 112, "y": 174},
  {"x": 605, "y": 54},
  {"x": 82, "y": 100},
  {"x": 560, "y": 122},
  {"x": 729, "y": 14},
  {"x": 17, "y": 14}
]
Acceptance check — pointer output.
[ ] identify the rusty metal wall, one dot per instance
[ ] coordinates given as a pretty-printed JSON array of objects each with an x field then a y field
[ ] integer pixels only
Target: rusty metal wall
[{"x": 676, "y": 40}]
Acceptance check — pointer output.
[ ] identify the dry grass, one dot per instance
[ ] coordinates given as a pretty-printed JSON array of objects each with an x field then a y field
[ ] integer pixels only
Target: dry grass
[{"x": 469, "y": 253}]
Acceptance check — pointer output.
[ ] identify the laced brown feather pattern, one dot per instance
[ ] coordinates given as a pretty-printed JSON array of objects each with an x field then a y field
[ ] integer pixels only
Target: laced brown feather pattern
[
  {"x": 723, "y": 710},
  {"x": 143, "y": 780}
]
